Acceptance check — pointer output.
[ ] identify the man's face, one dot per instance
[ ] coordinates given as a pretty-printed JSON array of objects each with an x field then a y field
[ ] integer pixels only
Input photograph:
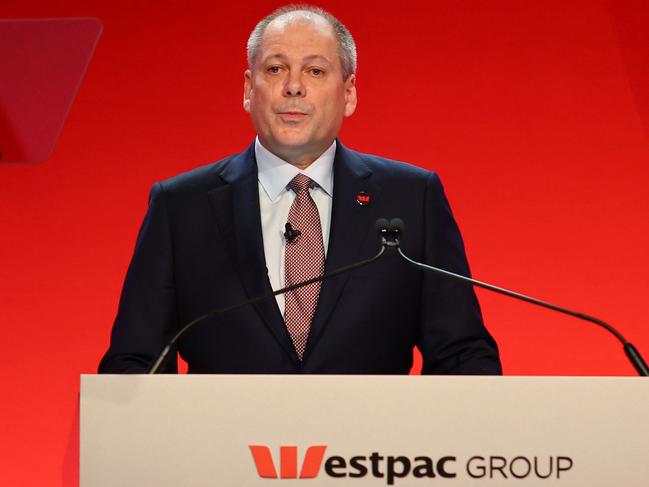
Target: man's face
[{"x": 295, "y": 92}]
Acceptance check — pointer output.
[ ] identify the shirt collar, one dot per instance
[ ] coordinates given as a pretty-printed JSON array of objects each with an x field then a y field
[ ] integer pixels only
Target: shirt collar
[{"x": 275, "y": 173}]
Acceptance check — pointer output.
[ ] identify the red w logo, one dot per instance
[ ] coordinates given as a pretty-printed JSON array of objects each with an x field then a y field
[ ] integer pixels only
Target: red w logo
[{"x": 287, "y": 462}]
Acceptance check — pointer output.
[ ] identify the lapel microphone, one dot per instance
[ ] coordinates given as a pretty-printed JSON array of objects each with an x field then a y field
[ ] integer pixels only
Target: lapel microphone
[{"x": 291, "y": 233}]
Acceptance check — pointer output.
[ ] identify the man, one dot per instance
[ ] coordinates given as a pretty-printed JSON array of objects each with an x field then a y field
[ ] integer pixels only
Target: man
[{"x": 217, "y": 236}]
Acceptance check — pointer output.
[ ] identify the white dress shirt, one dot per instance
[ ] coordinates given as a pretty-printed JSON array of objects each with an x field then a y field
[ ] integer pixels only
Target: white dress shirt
[{"x": 275, "y": 200}]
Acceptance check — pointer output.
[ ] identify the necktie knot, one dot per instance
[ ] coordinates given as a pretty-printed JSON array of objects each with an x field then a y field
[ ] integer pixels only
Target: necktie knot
[{"x": 300, "y": 183}]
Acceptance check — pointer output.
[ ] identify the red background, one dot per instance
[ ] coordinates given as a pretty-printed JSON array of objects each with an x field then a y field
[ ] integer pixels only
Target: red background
[{"x": 535, "y": 114}]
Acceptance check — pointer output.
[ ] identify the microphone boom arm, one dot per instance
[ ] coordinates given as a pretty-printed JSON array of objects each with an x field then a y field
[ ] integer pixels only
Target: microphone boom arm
[
  {"x": 631, "y": 352},
  {"x": 161, "y": 358}
]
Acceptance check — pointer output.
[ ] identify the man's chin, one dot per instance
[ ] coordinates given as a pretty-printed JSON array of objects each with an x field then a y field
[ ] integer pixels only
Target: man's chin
[
  {"x": 292, "y": 149},
  {"x": 295, "y": 143}
]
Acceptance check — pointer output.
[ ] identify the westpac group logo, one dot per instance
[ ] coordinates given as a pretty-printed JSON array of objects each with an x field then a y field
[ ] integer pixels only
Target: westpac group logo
[
  {"x": 392, "y": 468},
  {"x": 288, "y": 467}
]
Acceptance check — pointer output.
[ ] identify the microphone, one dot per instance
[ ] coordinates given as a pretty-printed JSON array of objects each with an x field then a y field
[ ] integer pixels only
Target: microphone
[
  {"x": 291, "y": 234},
  {"x": 385, "y": 231},
  {"x": 162, "y": 356},
  {"x": 391, "y": 233}
]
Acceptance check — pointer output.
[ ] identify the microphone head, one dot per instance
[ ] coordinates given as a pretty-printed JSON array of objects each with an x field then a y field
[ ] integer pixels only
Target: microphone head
[
  {"x": 382, "y": 226},
  {"x": 397, "y": 226}
]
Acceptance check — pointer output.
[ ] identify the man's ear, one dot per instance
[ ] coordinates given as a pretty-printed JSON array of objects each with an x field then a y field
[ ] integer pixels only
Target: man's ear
[
  {"x": 350, "y": 95},
  {"x": 247, "y": 89}
]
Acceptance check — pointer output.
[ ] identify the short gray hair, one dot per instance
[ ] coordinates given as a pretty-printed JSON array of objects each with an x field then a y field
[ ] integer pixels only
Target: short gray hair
[{"x": 346, "y": 44}]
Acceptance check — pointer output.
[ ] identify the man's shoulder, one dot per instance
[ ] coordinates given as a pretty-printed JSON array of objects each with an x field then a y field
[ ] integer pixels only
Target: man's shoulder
[
  {"x": 210, "y": 176},
  {"x": 391, "y": 168}
]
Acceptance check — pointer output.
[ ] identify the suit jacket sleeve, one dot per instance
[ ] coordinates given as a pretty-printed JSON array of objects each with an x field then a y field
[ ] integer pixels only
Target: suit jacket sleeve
[
  {"x": 147, "y": 317},
  {"x": 453, "y": 339}
]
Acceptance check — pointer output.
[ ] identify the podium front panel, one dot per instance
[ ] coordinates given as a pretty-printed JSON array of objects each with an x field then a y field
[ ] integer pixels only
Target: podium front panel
[{"x": 269, "y": 430}]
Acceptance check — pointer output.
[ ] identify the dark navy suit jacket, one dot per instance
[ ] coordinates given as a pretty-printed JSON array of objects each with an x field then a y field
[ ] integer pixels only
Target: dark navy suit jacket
[{"x": 200, "y": 248}]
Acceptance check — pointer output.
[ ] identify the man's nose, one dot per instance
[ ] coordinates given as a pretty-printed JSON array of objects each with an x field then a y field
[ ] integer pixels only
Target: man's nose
[{"x": 294, "y": 85}]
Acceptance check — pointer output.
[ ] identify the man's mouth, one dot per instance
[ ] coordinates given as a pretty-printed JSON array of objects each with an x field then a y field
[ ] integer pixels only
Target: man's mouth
[{"x": 292, "y": 116}]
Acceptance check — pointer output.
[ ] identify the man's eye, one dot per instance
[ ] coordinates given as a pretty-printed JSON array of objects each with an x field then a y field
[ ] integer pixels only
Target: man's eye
[
  {"x": 273, "y": 69},
  {"x": 317, "y": 72}
]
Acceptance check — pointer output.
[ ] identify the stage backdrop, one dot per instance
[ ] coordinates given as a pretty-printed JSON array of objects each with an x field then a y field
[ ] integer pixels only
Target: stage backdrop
[{"x": 535, "y": 114}]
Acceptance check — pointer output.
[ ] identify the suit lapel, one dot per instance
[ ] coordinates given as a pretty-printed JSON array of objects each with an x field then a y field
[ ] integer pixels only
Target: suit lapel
[
  {"x": 351, "y": 224},
  {"x": 236, "y": 209}
]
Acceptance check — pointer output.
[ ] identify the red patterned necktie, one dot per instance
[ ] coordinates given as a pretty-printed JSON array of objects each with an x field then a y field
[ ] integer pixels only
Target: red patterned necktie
[{"x": 304, "y": 259}]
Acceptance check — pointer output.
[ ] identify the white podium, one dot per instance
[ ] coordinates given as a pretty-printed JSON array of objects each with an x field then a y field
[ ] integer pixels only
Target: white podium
[{"x": 269, "y": 430}]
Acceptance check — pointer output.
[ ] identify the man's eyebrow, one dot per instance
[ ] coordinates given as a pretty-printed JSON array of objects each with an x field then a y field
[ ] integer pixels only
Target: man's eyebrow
[
  {"x": 312, "y": 57},
  {"x": 272, "y": 56}
]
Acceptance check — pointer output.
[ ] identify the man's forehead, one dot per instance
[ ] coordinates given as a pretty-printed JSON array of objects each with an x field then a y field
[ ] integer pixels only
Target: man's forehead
[{"x": 278, "y": 25}]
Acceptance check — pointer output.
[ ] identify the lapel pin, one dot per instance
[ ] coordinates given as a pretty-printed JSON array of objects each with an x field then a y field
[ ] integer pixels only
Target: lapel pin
[{"x": 363, "y": 198}]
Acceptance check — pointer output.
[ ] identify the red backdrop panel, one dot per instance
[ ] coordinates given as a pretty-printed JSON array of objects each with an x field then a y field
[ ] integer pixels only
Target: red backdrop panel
[{"x": 535, "y": 114}]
